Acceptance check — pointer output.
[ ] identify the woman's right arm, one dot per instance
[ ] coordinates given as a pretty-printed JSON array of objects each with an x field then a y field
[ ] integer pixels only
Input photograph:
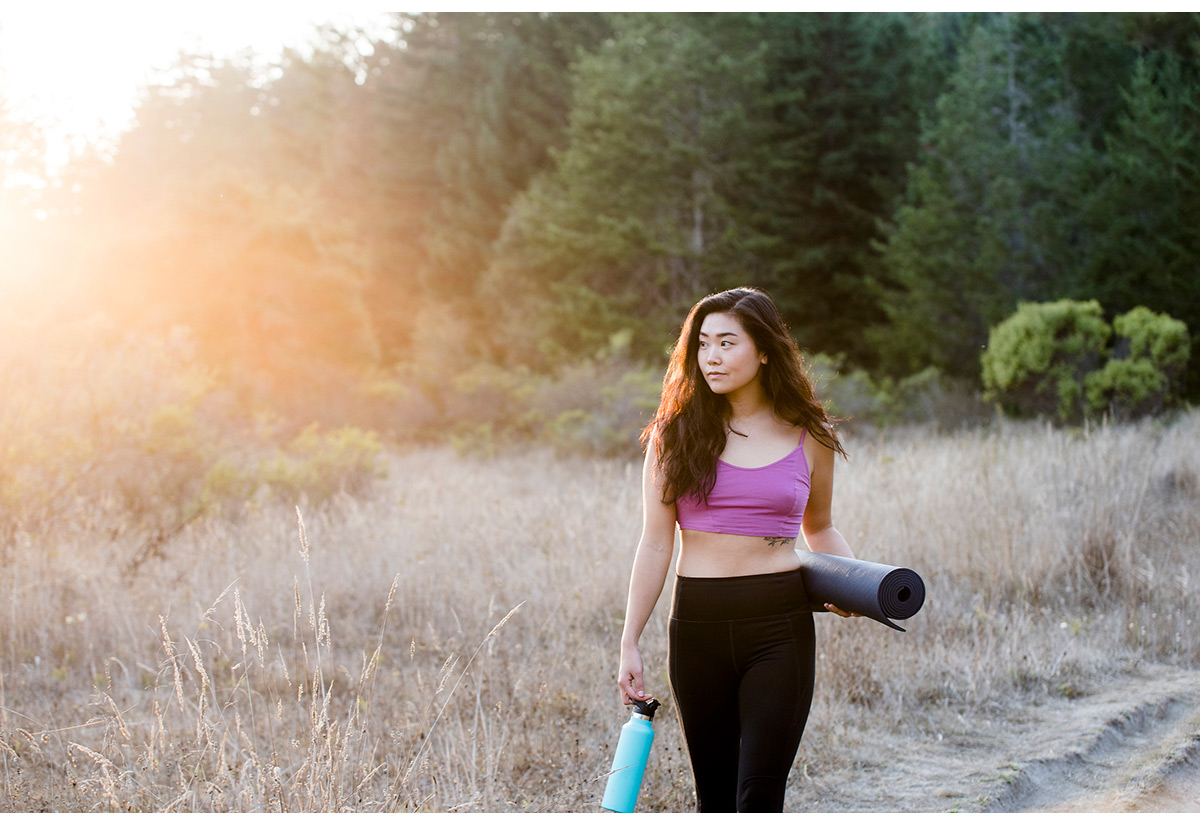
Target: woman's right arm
[{"x": 650, "y": 567}]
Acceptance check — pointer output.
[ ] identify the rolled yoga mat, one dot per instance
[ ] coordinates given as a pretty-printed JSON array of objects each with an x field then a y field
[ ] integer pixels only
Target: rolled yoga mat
[{"x": 878, "y": 591}]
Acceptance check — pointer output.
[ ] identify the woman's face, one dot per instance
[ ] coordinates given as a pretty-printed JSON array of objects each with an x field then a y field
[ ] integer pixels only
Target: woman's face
[{"x": 728, "y": 357}]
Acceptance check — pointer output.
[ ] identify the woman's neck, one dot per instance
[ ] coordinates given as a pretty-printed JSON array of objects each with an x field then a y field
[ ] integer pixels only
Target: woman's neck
[{"x": 747, "y": 407}]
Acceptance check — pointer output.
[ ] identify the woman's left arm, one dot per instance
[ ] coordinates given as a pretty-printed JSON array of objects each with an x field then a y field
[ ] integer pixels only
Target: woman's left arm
[{"x": 819, "y": 533}]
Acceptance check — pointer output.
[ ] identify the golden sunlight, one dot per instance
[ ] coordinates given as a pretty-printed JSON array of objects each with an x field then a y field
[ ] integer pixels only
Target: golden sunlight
[{"x": 80, "y": 67}]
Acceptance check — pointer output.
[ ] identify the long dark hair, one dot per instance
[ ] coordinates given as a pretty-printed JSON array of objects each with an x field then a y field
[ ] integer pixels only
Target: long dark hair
[{"x": 689, "y": 429}]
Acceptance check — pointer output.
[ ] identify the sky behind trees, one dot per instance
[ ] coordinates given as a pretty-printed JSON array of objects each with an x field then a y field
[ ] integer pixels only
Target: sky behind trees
[{"x": 82, "y": 66}]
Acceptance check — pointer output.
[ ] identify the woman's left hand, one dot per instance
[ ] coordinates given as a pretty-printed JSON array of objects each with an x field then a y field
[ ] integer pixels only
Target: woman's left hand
[{"x": 833, "y": 608}]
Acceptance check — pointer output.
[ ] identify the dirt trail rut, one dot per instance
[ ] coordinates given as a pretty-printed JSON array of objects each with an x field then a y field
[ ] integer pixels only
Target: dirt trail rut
[
  {"x": 1142, "y": 755},
  {"x": 1133, "y": 746}
]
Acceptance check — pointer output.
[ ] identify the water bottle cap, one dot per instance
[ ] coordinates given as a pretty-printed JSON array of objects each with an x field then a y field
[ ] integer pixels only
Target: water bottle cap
[{"x": 646, "y": 709}]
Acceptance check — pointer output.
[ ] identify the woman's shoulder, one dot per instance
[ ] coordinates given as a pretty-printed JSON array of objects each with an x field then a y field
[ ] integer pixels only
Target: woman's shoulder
[{"x": 789, "y": 429}]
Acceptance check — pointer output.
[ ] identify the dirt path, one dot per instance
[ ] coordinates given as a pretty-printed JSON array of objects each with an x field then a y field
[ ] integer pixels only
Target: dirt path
[
  {"x": 1139, "y": 750},
  {"x": 1132, "y": 747}
]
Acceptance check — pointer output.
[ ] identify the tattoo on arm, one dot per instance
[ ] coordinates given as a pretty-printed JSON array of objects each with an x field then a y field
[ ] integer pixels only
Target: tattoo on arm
[{"x": 776, "y": 541}]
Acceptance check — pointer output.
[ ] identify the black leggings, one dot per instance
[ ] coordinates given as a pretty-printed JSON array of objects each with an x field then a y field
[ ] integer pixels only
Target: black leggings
[{"x": 740, "y": 658}]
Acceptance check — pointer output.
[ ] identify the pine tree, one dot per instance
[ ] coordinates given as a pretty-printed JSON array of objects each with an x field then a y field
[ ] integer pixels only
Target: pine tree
[
  {"x": 1144, "y": 218},
  {"x": 633, "y": 223},
  {"x": 206, "y": 219},
  {"x": 845, "y": 95},
  {"x": 990, "y": 219},
  {"x": 488, "y": 96}
]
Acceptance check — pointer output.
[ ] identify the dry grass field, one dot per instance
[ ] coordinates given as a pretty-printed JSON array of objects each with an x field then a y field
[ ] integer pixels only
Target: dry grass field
[{"x": 448, "y": 641}]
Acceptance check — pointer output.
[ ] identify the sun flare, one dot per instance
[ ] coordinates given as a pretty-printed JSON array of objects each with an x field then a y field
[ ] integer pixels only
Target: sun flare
[{"x": 83, "y": 76}]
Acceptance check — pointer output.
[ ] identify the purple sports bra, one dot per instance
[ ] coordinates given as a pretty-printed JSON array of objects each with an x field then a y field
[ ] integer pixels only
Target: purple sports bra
[{"x": 752, "y": 501}]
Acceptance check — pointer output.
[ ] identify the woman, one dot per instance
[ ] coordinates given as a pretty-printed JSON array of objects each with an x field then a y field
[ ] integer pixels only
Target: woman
[{"x": 740, "y": 455}]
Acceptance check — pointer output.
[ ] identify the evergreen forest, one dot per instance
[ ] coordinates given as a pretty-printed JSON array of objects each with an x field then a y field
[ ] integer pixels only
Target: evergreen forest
[{"x": 492, "y": 224}]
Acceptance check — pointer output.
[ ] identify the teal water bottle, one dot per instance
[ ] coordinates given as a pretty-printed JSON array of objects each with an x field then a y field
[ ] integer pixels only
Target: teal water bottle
[{"x": 629, "y": 761}]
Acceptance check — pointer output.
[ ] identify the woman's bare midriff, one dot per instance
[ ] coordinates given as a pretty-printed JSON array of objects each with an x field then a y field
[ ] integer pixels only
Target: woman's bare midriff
[{"x": 719, "y": 555}]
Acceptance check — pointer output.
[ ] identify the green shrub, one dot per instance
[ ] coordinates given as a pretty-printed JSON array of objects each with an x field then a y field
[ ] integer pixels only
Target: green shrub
[
  {"x": 849, "y": 395},
  {"x": 1037, "y": 359},
  {"x": 1157, "y": 337},
  {"x": 131, "y": 433},
  {"x": 599, "y": 407},
  {"x": 488, "y": 407},
  {"x": 319, "y": 465},
  {"x": 594, "y": 407},
  {"x": 1055, "y": 359},
  {"x": 926, "y": 397},
  {"x": 1129, "y": 387},
  {"x": 1149, "y": 358},
  {"x": 111, "y": 429},
  {"x": 224, "y": 483}
]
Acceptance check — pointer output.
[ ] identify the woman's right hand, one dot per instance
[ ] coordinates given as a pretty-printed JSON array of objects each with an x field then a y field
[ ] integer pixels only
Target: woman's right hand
[
  {"x": 845, "y": 614},
  {"x": 629, "y": 679}
]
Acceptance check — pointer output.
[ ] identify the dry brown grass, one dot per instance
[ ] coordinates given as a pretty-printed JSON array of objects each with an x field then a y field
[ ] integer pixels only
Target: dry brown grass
[{"x": 449, "y": 642}]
